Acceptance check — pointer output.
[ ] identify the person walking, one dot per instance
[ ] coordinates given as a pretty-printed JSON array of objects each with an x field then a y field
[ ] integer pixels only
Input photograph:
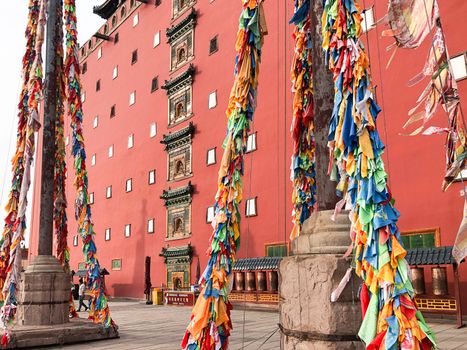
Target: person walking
[{"x": 81, "y": 293}]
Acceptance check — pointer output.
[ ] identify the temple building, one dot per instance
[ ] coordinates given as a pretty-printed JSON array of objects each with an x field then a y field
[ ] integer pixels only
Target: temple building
[{"x": 156, "y": 78}]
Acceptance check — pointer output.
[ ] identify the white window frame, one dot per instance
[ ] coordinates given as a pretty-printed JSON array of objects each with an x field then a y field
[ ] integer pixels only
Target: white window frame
[
  {"x": 211, "y": 156},
  {"x": 129, "y": 185},
  {"x": 67, "y": 140},
  {"x": 135, "y": 20},
  {"x": 99, "y": 53},
  {"x": 115, "y": 73},
  {"x": 108, "y": 192},
  {"x": 368, "y": 19},
  {"x": 132, "y": 98},
  {"x": 83, "y": 97},
  {"x": 251, "y": 143},
  {"x": 153, "y": 130},
  {"x": 210, "y": 214},
  {"x": 157, "y": 39},
  {"x": 110, "y": 151},
  {"x": 458, "y": 65},
  {"x": 75, "y": 240},
  {"x": 152, "y": 177},
  {"x": 93, "y": 159},
  {"x": 212, "y": 101},
  {"x": 91, "y": 198},
  {"x": 150, "y": 225},
  {"x": 251, "y": 208},
  {"x": 131, "y": 141},
  {"x": 127, "y": 230},
  {"x": 95, "y": 122},
  {"x": 108, "y": 233}
]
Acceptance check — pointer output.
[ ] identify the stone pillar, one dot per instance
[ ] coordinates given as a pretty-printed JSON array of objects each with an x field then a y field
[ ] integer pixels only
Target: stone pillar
[
  {"x": 45, "y": 288},
  {"x": 308, "y": 319},
  {"x": 45, "y": 292}
]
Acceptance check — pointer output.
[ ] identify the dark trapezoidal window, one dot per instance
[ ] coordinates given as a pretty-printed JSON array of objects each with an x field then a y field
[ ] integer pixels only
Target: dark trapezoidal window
[
  {"x": 213, "y": 45},
  {"x": 154, "y": 84}
]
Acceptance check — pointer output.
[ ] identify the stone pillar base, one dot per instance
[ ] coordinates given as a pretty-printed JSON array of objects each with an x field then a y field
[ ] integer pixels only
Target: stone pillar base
[
  {"x": 296, "y": 344},
  {"x": 73, "y": 332},
  {"x": 308, "y": 318},
  {"x": 45, "y": 293}
]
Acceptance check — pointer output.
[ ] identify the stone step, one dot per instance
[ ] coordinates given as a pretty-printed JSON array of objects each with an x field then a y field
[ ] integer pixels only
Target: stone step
[{"x": 327, "y": 228}]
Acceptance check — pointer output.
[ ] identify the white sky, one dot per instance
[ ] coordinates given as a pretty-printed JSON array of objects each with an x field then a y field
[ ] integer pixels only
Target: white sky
[{"x": 12, "y": 25}]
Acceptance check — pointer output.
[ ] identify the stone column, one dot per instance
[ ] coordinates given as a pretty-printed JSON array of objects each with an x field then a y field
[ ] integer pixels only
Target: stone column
[
  {"x": 45, "y": 286},
  {"x": 308, "y": 319}
]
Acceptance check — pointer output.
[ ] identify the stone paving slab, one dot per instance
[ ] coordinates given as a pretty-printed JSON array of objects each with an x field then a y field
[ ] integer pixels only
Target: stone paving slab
[
  {"x": 162, "y": 328},
  {"x": 77, "y": 330}
]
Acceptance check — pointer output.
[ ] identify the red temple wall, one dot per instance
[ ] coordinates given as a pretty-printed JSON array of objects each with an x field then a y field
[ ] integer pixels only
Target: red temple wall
[{"x": 415, "y": 164}]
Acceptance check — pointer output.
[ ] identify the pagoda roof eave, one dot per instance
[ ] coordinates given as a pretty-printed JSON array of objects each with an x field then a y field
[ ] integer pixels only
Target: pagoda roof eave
[{"x": 106, "y": 9}]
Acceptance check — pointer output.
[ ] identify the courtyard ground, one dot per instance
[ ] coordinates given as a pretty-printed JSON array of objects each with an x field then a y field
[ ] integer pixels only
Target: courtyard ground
[{"x": 162, "y": 328}]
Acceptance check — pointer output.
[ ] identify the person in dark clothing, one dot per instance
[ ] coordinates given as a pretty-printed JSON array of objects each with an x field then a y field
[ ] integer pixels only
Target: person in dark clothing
[{"x": 147, "y": 280}]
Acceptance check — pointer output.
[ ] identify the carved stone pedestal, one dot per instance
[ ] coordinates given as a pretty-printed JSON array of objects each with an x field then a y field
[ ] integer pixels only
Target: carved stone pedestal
[
  {"x": 45, "y": 293},
  {"x": 307, "y": 278},
  {"x": 43, "y": 318}
]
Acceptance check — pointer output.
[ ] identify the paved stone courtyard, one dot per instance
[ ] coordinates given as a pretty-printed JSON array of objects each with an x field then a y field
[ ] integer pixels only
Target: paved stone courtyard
[{"x": 162, "y": 327}]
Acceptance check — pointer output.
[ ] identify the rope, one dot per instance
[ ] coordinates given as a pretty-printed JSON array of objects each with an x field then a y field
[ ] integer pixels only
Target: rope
[
  {"x": 451, "y": 123},
  {"x": 210, "y": 324},
  {"x": 247, "y": 237},
  {"x": 383, "y": 105},
  {"x": 17, "y": 160},
  {"x": 303, "y": 158},
  {"x": 357, "y": 152},
  {"x": 267, "y": 336},
  {"x": 285, "y": 113},
  {"x": 99, "y": 309},
  {"x": 365, "y": 10},
  {"x": 278, "y": 124},
  {"x": 10, "y": 139},
  {"x": 62, "y": 251},
  {"x": 28, "y": 124}
]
